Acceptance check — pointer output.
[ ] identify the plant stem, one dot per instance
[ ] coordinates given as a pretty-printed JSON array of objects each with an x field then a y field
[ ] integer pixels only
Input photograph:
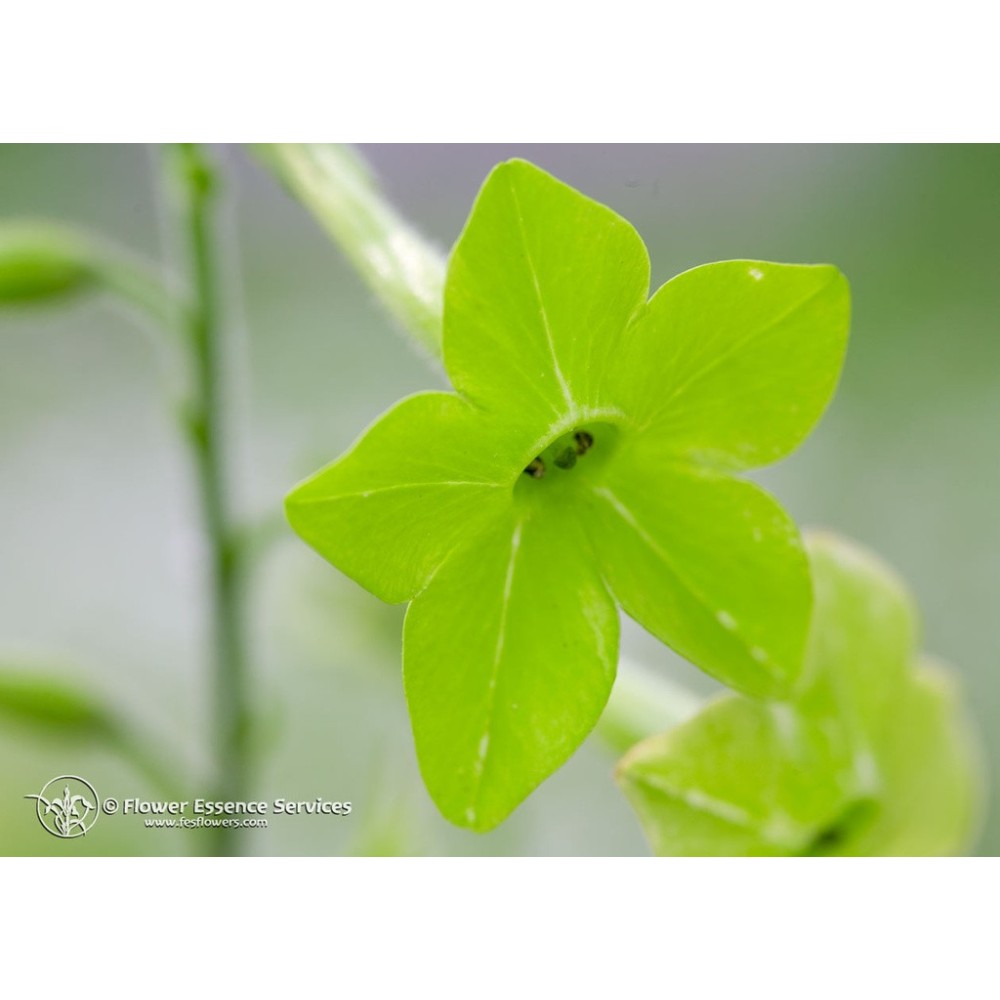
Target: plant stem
[
  {"x": 400, "y": 267},
  {"x": 642, "y": 704},
  {"x": 137, "y": 285},
  {"x": 207, "y": 434}
]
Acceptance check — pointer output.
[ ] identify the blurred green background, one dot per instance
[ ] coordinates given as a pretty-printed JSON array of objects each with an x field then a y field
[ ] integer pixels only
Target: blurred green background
[{"x": 99, "y": 548}]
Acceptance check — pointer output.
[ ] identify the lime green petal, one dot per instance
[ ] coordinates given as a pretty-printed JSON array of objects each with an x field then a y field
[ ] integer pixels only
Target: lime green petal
[
  {"x": 508, "y": 657},
  {"x": 930, "y": 772},
  {"x": 733, "y": 363},
  {"x": 742, "y": 778},
  {"x": 710, "y": 565},
  {"x": 427, "y": 476},
  {"x": 901, "y": 723},
  {"x": 540, "y": 288},
  {"x": 862, "y": 642}
]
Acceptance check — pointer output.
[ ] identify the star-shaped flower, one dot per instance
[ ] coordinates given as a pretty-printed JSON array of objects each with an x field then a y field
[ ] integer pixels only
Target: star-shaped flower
[{"x": 585, "y": 461}]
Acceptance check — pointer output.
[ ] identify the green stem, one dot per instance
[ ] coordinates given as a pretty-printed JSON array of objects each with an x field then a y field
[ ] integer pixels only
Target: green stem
[
  {"x": 135, "y": 284},
  {"x": 207, "y": 435},
  {"x": 642, "y": 704},
  {"x": 400, "y": 267}
]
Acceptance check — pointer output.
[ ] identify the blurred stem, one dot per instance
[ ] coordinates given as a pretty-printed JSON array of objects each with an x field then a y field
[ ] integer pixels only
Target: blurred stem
[
  {"x": 206, "y": 423},
  {"x": 642, "y": 704},
  {"x": 400, "y": 267},
  {"x": 136, "y": 285}
]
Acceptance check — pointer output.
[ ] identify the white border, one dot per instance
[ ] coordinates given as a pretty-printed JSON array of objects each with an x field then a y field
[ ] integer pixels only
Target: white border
[
  {"x": 531, "y": 70},
  {"x": 779, "y": 928}
]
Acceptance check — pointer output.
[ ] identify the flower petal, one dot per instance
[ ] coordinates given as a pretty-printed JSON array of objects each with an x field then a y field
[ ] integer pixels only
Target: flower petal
[
  {"x": 508, "y": 657},
  {"x": 733, "y": 363},
  {"x": 930, "y": 772},
  {"x": 901, "y": 719},
  {"x": 742, "y": 778},
  {"x": 862, "y": 642},
  {"x": 426, "y": 477},
  {"x": 710, "y": 565},
  {"x": 540, "y": 288}
]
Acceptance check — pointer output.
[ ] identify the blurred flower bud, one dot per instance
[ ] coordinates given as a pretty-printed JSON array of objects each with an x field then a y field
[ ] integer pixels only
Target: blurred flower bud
[{"x": 39, "y": 262}]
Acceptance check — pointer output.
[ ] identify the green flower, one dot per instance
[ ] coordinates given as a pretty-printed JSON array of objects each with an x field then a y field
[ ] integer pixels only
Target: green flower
[
  {"x": 870, "y": 755},
  {"x": 585, "y": 461}
]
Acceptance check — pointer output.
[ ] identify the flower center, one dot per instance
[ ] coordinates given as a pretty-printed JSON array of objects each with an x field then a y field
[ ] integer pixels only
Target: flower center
[
  {"x": 561, "y": 454},
  {"x": 577, "y": 458}
]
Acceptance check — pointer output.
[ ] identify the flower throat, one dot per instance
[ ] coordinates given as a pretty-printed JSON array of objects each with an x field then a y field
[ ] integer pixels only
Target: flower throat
[{"x": 563, "y": 454}]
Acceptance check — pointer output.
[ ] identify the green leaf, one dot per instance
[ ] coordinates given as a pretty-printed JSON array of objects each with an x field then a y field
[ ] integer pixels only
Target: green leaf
[
  {"x": 424, "y": 477},
  {"x": 509, "y": 657},
  {"x": 51, "y": 706},
  {"x": 57, "y": 710},
  {"x": 540, "y": 287},
  {"x": 712, "y": 566},
  {"x": 39, "y": 262},
  {"x": 872, "y": 757},
  {"x": 733, "y": 363}
]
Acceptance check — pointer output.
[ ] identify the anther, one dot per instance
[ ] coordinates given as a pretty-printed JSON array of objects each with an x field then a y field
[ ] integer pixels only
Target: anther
[
  {"x": 584, "y": 442},
  {"x": 535, "y": 468}
]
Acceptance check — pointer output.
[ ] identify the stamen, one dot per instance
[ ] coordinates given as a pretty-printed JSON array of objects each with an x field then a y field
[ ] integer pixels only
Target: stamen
[
  {"x": 584, "y": 442},
  {"x": 563, "y": 453}
]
